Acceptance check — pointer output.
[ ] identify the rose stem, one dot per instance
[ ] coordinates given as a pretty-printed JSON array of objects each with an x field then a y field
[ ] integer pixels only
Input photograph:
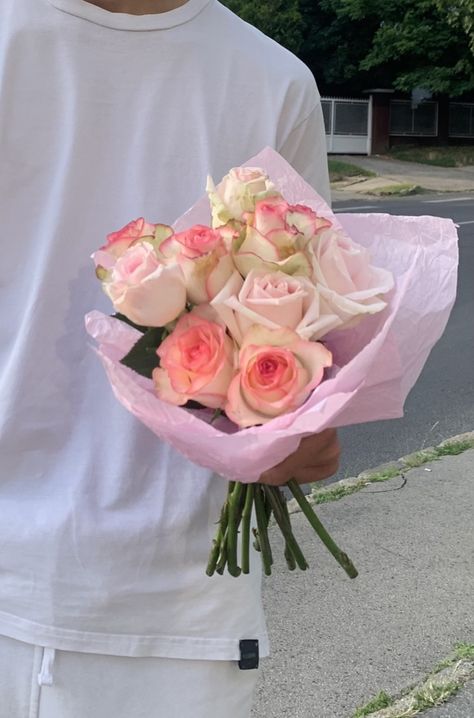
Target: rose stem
[
  {"x": 219, "y": 538},
  {"x": 222, "y": 562},
  {"x": 234, "y": 516},
  {"x": 290, "y": 559},
  {"x": 342, "y": 558},
  {"x": 246, "y": 519},
  {"x": 264, "y": 543},
  {"x": 268, "y": 515},
  {"x": 285, "y": 528}
]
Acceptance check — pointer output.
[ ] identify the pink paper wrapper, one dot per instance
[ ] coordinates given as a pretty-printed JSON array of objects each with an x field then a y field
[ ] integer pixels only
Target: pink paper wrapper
[{"x": 376, "y": 363}]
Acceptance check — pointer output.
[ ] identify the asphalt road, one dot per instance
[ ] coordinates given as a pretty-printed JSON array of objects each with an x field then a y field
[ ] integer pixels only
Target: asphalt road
[{"x": 442, "y": 402}]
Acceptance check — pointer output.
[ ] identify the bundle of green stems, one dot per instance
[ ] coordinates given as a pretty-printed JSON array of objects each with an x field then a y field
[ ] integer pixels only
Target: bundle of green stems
[{"x": 267, "y": 501}]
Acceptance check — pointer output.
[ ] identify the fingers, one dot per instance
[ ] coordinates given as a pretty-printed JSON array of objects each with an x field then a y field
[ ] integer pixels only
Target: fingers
[{"x": 316, "y": 458}]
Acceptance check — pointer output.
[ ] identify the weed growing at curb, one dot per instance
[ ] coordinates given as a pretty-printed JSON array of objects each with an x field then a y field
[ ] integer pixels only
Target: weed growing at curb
[
  {"x": 462, "y": 652},
  {"x": 346, "y": 487},
  {"x": 400, "y": 190},
  {"x": 342, "y": 170},
  {"x": 449, "y": 448},
  {"x": 383, "y": 700},
  {"x": 453, "y": 448},
  {"x": 444, "y": 681},
  {"x": 432, "y": 695},
  {"x": 384, "y": 475}
]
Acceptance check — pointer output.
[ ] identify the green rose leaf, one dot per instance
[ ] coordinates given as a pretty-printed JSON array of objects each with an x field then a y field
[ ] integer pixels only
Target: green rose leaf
[
  {"x": 128, "y": 321},
  {"x": 142, "y": 357}
]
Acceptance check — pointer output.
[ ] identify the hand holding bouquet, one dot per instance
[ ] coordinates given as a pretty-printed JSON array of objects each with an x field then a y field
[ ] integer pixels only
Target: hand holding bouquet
[{"x": 242, "y": 336}]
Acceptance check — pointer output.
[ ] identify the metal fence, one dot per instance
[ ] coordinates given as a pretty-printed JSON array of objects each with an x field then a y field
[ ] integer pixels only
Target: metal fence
[
  {"x": 408, "y": 120},
  {"x": 348, "y": 125},
  {"x": 461, "y": 119}
]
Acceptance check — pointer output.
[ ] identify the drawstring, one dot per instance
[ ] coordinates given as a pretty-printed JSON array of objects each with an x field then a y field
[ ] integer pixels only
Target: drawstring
[{"x": 45, "y": 676}]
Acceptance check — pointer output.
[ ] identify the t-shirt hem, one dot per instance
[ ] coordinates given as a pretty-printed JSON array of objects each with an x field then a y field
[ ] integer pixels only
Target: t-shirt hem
[{"x": 130, "y": 645}]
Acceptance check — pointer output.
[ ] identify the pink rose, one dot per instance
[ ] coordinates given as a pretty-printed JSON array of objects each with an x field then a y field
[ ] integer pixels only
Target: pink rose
[
  {"x": 204, "y": 257},
  {"x": 118, "y": 242},
  {"x": 278, "y": 238},
  {"x": 277, "y": 373},
  {"x": 306, "y": 221},
  {"x": 348, "y": 284},
  {"x": 145, "y": 290},
  {"x": 197, "y": 362},
  {"x": 273, "y": 300}
]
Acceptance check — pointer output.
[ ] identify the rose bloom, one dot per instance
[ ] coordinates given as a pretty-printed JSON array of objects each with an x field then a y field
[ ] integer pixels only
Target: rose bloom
[
  {"x": 204, "y": 257},
  {"x": 235, "y": 196},
  {"x": 118, "y": 242},
  {"x": 197, "y": 363},
  {"x": 273, "y": 300},
  {"x": 277, "y": 372},
  {"x": 349, "y": 285},
  {"x": 278, "y": 238},
  {"x": 146, "y": 291}
]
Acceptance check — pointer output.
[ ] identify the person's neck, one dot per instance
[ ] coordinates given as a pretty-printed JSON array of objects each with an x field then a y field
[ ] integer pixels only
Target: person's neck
[{"x": 138, "y": 7}]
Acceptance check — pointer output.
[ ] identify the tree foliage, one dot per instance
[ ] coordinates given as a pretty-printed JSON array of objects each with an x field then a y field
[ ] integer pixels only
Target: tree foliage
[
  {"x": 460, "y": 15},
  {"x": 276, "y": 18},
  {"x": 352, "y": 45},
  {"x": 415, "y": 44}
]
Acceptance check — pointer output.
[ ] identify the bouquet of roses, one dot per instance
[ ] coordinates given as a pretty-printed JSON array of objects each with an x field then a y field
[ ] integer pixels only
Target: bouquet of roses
[{"x": 260, "y": 325}]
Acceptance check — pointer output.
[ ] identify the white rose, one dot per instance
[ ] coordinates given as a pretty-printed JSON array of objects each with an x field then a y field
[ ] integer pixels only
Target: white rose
[
  {"x": 273, "y": 300},
  {"x": 235, "y": 196}
]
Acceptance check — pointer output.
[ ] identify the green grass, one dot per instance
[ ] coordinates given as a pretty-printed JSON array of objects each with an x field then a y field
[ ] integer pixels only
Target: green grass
[
  {"x": 462, "y": 651},
  {"x": 384, "y": 475},
  {"x": 401, "y": 190},
  {"x": 343, "y": 170},
  {"x": 453, "y": 448},
  {"x": 433, "y": 695},
  {"x": 432, "y": 692},
  {"x": 382, "y": 700},
  {"x": 334, "y": 493},
  {"x": 449, "y": 156},
  {"x": 324, "y": 496}
]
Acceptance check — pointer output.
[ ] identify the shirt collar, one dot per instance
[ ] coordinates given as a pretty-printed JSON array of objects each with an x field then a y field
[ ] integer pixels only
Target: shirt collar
[{"x": 123, "y": 21}]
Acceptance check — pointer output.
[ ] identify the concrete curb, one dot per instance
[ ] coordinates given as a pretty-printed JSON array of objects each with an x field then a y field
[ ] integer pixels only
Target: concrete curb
[
  {"x": 438, "y": 687},
  {"x": 384, "y": 472}
]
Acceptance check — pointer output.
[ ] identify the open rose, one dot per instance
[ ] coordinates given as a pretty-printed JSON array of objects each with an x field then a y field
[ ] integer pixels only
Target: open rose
[
  {"x": 197, "y": 363},
  {"x": 145, "y": 290},
  {"x": 278, "y": 238},
  {"x": 349, "y": 285},
  {"x": 235, "y": 196},
  {"x": 118, "y": 242},
  {"x": 275, "y": 213},
  {"x": 204, "y": 257},
  {"x": 277, "y": 373},
  {"x": 273, "y": 300}
]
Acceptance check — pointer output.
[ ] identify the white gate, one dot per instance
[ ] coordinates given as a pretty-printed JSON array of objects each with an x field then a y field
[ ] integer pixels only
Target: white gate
[{"x": 348, "y": 125}]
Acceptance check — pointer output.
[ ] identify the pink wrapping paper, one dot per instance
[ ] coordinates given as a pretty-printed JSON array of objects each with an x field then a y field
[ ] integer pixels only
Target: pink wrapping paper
[{"x": 376, "y": 363}]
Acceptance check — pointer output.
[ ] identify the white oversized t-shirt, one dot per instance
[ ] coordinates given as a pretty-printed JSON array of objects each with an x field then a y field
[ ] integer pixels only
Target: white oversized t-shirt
[{"x": 105, "y": 531}]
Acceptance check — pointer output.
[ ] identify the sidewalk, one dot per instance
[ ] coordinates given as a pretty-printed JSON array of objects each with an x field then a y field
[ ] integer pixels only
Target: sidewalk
[
  {"x": 337, "y": 643},
  {"x": 390, "y": 172}
]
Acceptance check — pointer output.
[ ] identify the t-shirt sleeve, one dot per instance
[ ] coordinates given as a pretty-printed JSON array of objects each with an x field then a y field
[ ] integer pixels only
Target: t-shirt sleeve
[{"x": 305, "y": 149}]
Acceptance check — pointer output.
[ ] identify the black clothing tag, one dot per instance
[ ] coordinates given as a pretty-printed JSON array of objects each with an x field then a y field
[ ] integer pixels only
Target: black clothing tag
[{"x": 248, "y": 655}]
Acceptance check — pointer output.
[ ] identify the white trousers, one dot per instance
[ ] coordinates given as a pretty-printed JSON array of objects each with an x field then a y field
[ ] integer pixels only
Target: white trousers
[{"x": 38, "y": 682}]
